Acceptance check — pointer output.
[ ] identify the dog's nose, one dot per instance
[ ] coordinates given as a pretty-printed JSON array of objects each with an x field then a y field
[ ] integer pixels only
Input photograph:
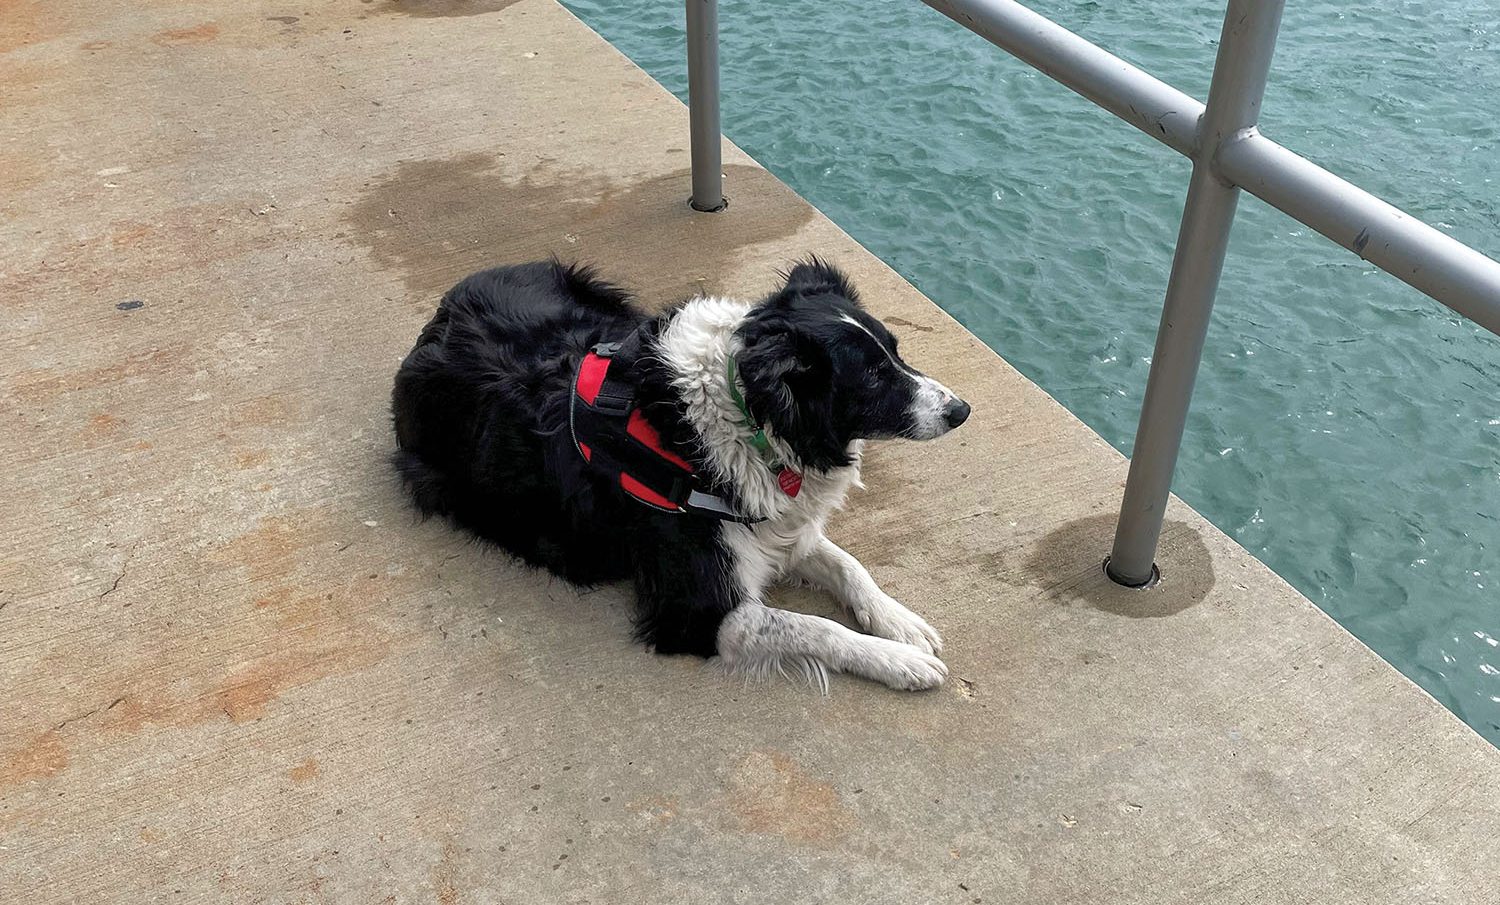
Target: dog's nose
[{"x": 956, "y": 412}]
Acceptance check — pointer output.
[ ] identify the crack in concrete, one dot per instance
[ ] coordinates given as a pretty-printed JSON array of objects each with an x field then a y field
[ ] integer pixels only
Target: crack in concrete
[
  {"x": 97, "y": 710},
  {"x": 124, "y": 567}
]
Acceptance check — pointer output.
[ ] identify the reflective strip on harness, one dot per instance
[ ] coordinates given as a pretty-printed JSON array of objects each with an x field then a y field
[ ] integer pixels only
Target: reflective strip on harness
[{"x": 646, "y": 494}]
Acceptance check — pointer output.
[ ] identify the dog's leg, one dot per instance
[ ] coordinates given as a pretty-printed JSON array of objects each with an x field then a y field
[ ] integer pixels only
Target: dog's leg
[
  {"x": 760, "y": 641},
  {"x": 834, "y": 570}
]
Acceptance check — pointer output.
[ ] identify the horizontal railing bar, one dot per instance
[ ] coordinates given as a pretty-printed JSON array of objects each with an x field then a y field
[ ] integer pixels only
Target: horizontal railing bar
[
  {"x": 1440, "y": 266},
  {"x": 1398, "y": 243},
  {"x": 1228, "y": 154},
  {"x": 1144, "y": 101}
]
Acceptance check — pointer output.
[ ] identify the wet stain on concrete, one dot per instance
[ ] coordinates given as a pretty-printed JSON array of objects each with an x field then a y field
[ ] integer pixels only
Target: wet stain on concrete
[
  {"x": 903, "y": 322},
  {"x": 435, "y": 9},
  {"x": 919, "y": 542},
  {"x": 1068, "y": 564},
  {"x": 436, "y": 221},
  {"x": 771, "y": 793},
  {"x": 196, "y": 34},
  {"x": 988, "y": 563}
]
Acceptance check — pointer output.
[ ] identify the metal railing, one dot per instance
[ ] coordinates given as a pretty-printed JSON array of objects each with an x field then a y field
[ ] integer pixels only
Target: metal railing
[{"x": 1228, "y": 154}]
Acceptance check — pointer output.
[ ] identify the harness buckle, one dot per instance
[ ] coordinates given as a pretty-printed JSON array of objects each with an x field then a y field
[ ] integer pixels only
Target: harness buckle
[
  {"x": 622, "y": 399},
  {"x": 608, "y": 404}
]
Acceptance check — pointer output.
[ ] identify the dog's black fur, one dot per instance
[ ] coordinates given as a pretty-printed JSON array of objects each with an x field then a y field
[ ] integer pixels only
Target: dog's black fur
[{"x": 481, "y": 414}]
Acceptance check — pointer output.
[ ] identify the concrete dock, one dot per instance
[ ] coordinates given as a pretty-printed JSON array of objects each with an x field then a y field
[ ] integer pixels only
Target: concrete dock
[{"x": 234, "y": 667}]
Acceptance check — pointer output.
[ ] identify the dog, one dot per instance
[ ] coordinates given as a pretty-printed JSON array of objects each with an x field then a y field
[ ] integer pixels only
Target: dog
[{"x": 698, "y": 453}]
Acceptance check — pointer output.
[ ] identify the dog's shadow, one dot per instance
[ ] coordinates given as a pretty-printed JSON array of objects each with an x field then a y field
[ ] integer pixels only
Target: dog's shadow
[
  {"x": 800, "y": 597},
  {"x": 553, "y": 630}
]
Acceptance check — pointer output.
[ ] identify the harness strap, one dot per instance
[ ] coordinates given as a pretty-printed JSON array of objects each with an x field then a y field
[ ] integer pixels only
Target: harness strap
[{"x": 613, "y": 436}]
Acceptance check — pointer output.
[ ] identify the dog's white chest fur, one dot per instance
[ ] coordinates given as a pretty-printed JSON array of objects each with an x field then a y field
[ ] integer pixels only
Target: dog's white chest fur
[
  {"x": 754, "y": 638},
  {"x": 766, "y": 551}
]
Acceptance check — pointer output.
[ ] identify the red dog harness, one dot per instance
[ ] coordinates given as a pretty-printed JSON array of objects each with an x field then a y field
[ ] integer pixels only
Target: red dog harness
[{"x": 613, "y": 436}]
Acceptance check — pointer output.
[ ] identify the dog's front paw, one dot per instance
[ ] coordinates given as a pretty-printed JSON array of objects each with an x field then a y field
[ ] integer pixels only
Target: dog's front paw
[
  {"x": 905, "y": 668},
  {"x": 886, "y": 618}
]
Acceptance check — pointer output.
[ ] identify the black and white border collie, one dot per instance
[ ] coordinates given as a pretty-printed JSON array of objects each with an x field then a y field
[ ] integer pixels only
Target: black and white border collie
[{"x": 746, "y": 394}]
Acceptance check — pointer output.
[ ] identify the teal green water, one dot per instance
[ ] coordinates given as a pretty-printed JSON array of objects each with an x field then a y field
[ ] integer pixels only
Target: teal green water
[{"x": 1346, "y": 429}]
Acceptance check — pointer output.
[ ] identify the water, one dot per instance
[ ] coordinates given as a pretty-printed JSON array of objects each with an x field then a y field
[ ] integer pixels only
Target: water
[{"x": 1345, "y": 429}]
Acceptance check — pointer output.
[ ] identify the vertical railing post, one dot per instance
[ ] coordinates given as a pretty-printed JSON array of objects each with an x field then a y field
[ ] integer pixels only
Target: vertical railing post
[
  {"x": 1239, "y": 82},
  {"x": 703, "y": 104}
]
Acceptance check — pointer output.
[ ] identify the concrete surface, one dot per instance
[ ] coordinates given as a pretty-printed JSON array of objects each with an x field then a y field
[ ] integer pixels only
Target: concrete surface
[{"x": 236, "y": 670}]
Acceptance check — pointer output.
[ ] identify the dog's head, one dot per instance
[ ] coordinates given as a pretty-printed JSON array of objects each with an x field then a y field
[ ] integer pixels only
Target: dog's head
[{"x": 822, "y": 373}]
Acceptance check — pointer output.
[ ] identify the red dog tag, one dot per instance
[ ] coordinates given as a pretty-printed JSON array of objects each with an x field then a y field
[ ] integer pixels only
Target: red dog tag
[{"x": 790, "y": 482}]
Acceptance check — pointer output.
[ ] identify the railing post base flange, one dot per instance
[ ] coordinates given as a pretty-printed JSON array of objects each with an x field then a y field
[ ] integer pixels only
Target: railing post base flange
[{"x": 1152, "y": 581}]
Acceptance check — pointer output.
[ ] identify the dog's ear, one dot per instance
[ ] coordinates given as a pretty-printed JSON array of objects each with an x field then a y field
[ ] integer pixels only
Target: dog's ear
[
  {"x": 788, "y": 379},
  {"x": 817, "y": 277}
]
